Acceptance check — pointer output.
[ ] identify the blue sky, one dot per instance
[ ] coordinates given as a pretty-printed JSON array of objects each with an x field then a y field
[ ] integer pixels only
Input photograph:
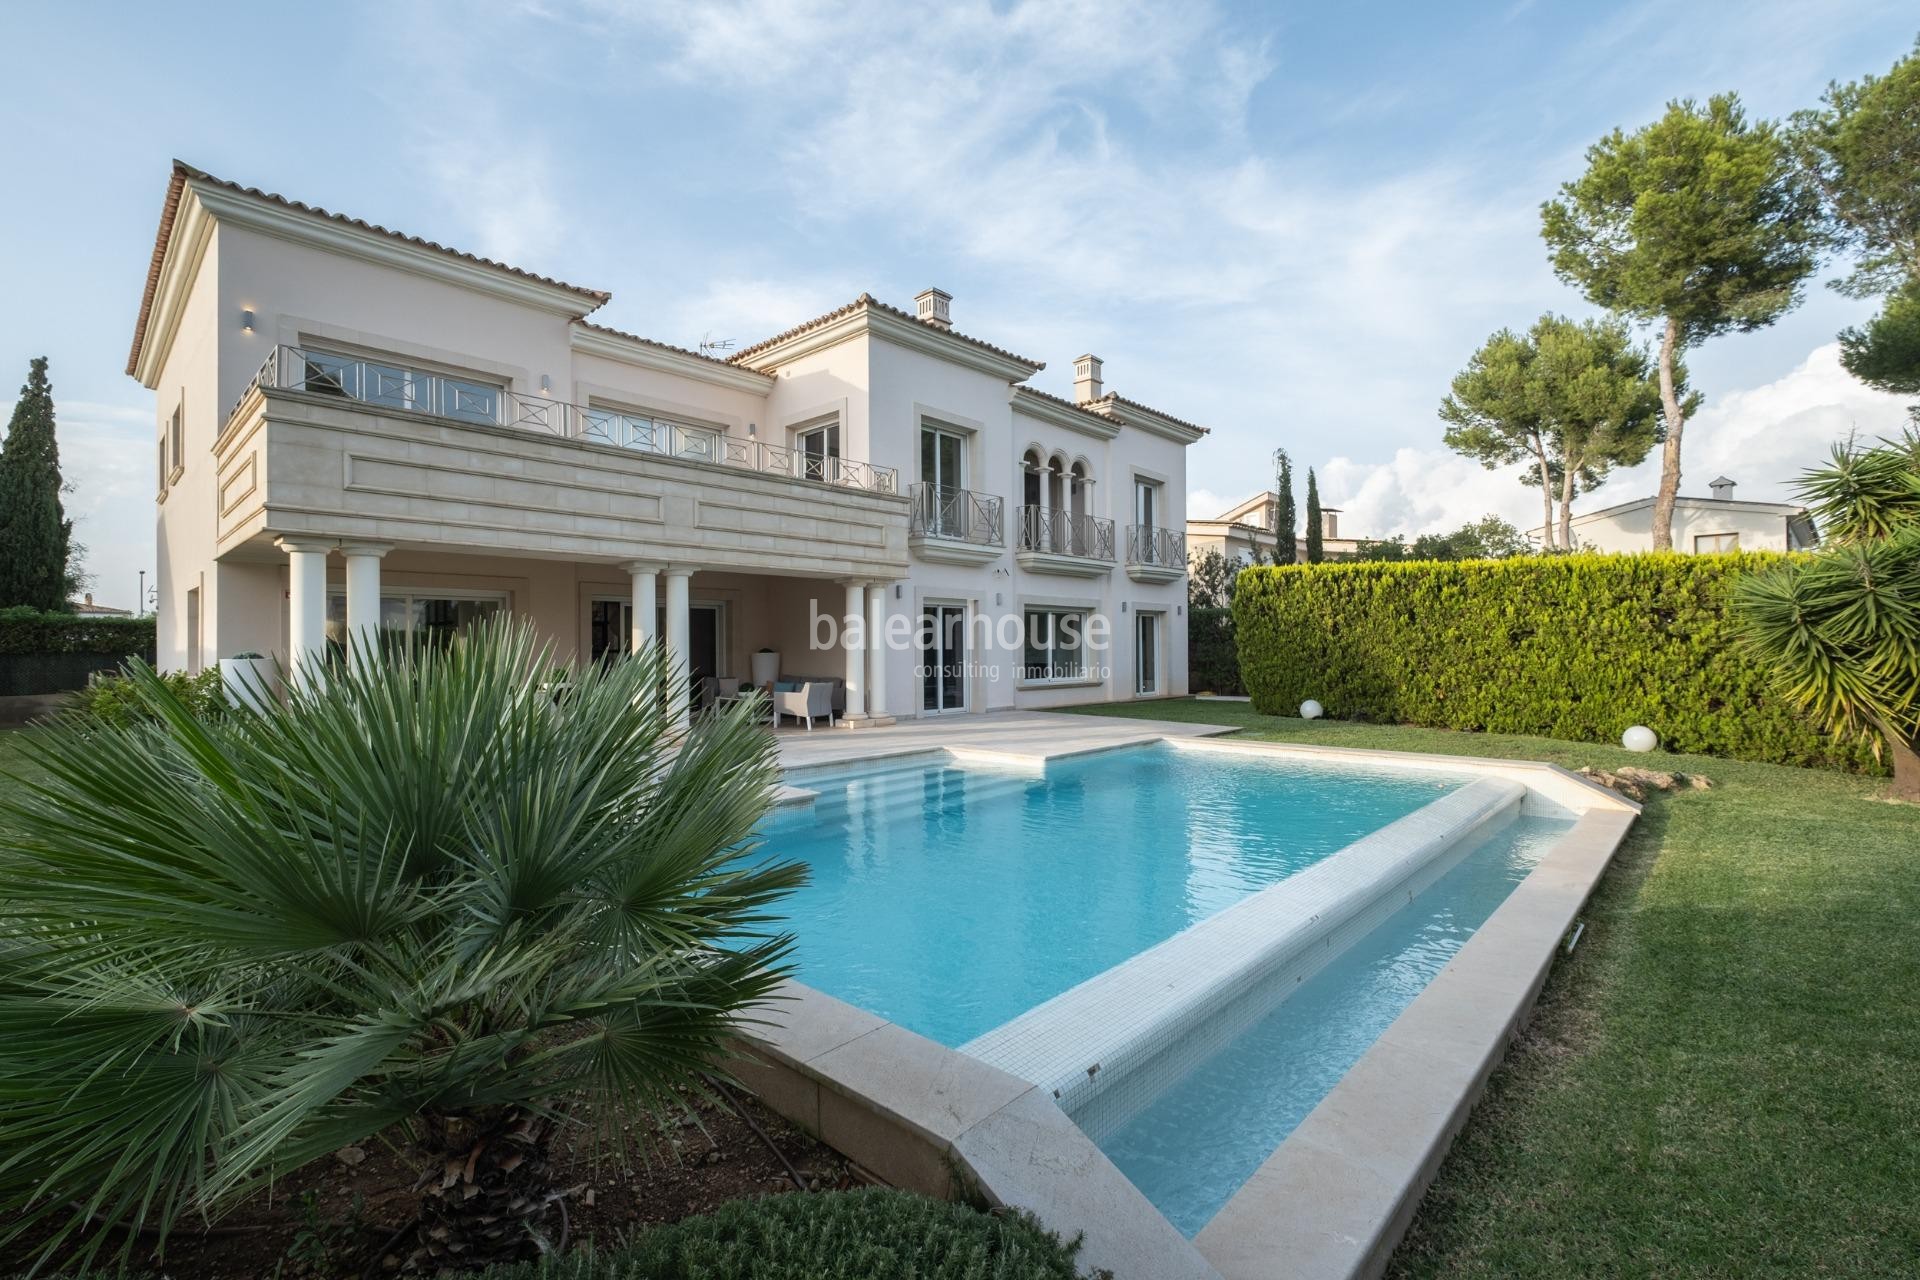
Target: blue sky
[{"x": 1291, "y": 223}]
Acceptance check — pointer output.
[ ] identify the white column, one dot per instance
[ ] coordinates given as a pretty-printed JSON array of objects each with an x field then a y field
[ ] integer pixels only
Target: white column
[
  {"x": 306, "y": 605},
  {"x": 363, "y": 598},
  {"x": 876, "y": 638},
  {"x": 1043, "y": 536},
  {"x": 854, "y": 640},
  {"x": 646, "y": 603},
  {"x": 677, "y": 625}
]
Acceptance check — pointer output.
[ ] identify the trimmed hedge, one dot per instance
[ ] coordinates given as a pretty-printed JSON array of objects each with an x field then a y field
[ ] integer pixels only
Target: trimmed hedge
[
  {"x": 872, "y": 1234},
  {"x": 55, "y": 652},
  {"x": 1577, "y": 647},
  {"x": 24, "y": 630},
  {"x": 1213, "y": 663}
]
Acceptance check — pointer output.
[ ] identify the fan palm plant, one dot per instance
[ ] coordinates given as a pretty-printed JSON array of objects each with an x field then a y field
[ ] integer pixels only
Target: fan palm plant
[
  {"x": 420, "y": 898},
  {"x": 1840, "y": 630}
]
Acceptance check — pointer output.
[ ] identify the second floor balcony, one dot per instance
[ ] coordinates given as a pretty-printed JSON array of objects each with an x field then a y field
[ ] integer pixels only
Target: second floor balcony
[
  {"x": 354, "y": 448},
  {"x": 1053, "y": 540},
  {"x": 1155, "y": 554},
  {"x": 388, "y": 385},
  {"x": 955, "y": 526}
]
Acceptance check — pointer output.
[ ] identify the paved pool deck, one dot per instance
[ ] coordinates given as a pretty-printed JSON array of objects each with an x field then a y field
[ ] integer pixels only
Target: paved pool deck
[{"x": 1030, "y": 736}]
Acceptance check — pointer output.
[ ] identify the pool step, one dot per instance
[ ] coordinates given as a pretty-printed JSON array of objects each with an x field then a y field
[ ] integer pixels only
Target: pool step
[{"x": 1108, "y": 1046}]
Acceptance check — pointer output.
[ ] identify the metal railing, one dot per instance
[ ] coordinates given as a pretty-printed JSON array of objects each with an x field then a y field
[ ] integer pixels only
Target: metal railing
[
  {"x": 1150, "y": 544},
  {"x": 961, "y": 515},
  {"x": 1065, "y": 533},
  {"x": 394, "y": 386}
]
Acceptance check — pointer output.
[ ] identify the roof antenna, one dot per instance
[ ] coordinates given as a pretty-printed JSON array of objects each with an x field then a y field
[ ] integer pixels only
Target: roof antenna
[{"x": 710, "y": 345}]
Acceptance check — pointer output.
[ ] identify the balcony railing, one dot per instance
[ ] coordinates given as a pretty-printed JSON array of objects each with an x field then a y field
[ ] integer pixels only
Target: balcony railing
[
  {"x": 1065, "y": 533},
  {"x": 393, "y": 386},
  {"x": 959, "y": 515},
  {"x": 1150, "y": 544}
]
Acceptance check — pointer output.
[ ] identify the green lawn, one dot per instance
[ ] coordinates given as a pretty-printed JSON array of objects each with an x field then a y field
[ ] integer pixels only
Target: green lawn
[
  {"x": 1724, "y": 1079},
  {"x": 12, "y": 759}
]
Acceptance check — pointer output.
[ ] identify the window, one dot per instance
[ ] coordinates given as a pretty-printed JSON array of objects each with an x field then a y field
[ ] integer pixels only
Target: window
[
  {"x": 424, "y": 618},
  {"x": 942, "y": 458},
  {"x": 649, "y": 433},
  {"x": 396, "y": 386},
  {"x": 1146, "y": 503},
  {"x": 1709, "y": 543},
  {"x": 819, "y": 452},
  {"x": 173, "y": 446},
  {"x": 1056, "y": 645}
]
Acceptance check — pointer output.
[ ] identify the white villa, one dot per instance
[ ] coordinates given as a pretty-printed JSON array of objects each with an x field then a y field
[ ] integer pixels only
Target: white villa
[
  {"x": 359, "y": 429},
  {"x": 1701, "y": 526},
  {"x": 1248, "y": 533}
]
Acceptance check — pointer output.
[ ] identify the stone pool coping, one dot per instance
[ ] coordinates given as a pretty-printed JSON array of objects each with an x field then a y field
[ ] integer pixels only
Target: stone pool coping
[
  {"x": 1331, "y": 1201},
  {"x": 1336, "y": 1196},
  {"x": 919, "y": 1115}
]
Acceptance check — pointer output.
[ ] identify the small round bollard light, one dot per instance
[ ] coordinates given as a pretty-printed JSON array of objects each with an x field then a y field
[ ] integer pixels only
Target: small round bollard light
[
  {"x": 1311, "y": 710},
  {"x": 1639, "y": 738}
]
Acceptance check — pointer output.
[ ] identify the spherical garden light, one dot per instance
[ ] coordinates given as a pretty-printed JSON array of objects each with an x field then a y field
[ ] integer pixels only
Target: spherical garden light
[
  {"x": 1639, "y": 738},
  {"x": 1311, "y": 710}
]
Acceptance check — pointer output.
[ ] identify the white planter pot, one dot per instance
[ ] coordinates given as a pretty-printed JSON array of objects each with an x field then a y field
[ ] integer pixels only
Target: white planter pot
[
  {"x": 765, "y": 668},
  {"x": 248, "y": 682}
]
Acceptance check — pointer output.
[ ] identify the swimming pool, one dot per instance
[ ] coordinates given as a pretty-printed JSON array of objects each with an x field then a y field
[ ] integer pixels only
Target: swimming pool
[
  {"x": 950, "y": 900},
  {"x": 1186, "y": 947},
  {"x": 1205, "y": 1133}
]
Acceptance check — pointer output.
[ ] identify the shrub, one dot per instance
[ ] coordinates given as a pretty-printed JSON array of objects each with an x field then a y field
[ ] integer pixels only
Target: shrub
[
  {"x": 116, "y": 700},
  {"x": 24, "y": 630},
  {"x": 417, "y": 899},
  {"x": 1577, "y": 646},
  {"x": 875, "y": 1234},
  {"x": 1213, "y": 664},
  {"x": 57, "y": 652}
]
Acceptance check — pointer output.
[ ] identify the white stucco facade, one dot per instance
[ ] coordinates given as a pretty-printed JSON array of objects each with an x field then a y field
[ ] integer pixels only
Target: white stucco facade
[
  {"x": 360, "y": 430},
  {"x": 1701, "y": 526}
]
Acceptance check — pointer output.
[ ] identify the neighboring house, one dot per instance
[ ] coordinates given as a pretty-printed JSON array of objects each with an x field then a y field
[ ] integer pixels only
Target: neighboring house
[
  {"x": 359, "y": 429},
  {"x": 1246, "y": 534},
  {"x": 88, "y": 609},
  {"x": 1700, "y": 525}
]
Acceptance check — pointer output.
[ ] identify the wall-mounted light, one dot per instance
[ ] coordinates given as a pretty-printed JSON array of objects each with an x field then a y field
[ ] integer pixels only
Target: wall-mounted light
[
  {"x": 996, "y": 599},
  {"x": 899, "y": 591},
  {"x": 546, "y": 383},
  {"x": 1123, "y": 606},
  {"x": 246, "y": 321},
  {"x": 752, "y": 431}
]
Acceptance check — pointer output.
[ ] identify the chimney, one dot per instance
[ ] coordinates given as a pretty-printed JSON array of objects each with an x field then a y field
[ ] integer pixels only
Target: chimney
[
  {"x": 933, "y": 308},
  {"x": 89, "y": 599},
  {"x": 1086, "y": 379},
  {"x": 1722, "y": 489},
  {"x": 1330, "y": 522}
]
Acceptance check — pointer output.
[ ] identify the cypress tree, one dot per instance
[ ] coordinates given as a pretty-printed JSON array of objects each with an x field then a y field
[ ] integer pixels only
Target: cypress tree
[
  {"x": 1316, "y": 552},
  {"x": 1284, "y": 516},
  {"x": 35, "y": 535}
]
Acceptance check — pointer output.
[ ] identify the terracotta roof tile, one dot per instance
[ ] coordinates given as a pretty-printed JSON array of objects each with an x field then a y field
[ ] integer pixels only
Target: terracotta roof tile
[
  {"x": 184, "y": 173},
  {"x": 867, "y": 301},
  {"x": 1112, "y": 399},
  {"x": 1074, "y": 405}
]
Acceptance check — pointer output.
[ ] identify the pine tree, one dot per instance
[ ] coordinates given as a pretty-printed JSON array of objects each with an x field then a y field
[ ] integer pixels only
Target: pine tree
[
  {"x": 1287, "y": 549},
  {"x": 35, "y": 535},
  {"x": 1316, "y": 551}
]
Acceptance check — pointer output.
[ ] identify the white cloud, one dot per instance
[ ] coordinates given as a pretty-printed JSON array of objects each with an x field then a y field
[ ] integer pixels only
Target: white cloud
[{"x": 1762, "y": 437}]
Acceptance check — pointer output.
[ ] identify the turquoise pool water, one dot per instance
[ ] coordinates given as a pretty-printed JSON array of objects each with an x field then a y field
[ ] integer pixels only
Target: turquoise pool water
[
  {"x": 1195, "y": 1144},
  {"x": 950, "y": 900}
]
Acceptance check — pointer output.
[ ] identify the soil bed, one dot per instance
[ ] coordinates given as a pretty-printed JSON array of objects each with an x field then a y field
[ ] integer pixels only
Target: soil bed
[{"x": 337, "y": 1217}]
